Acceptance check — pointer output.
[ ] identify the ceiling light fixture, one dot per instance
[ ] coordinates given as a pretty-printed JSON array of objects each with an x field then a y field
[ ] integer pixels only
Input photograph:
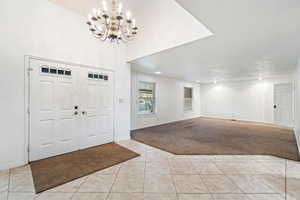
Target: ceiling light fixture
[
  {"x": 157, "y": 72},
  {"x": 112, "y": 25}
]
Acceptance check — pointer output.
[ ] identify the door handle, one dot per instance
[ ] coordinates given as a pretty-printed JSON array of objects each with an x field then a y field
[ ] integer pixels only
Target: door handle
[
  {"x": 275, "y": 106},
  {"x": 75, "y": 113}
]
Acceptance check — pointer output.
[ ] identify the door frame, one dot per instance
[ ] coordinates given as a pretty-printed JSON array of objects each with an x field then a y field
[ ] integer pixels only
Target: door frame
[
  {"x": 292, "y": 83},
  {"x": 27, "y": 109}
]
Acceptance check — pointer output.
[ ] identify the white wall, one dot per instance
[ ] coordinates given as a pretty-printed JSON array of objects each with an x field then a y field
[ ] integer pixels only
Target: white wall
[
  {"x": 242, "y": 100},
  {"x": 169, "y": 98},
  {"x": 41, "y": 28},
  {"x": 297, "y": 107}
]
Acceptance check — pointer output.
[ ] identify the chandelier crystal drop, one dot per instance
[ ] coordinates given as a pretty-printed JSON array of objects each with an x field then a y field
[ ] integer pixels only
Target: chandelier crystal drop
[{"x": 112, "y": 25}]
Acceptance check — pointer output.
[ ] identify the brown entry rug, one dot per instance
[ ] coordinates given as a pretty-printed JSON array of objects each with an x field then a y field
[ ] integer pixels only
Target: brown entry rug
[
  {"x": 207, "y": 136},
  {"x": 55, "y": 171}
]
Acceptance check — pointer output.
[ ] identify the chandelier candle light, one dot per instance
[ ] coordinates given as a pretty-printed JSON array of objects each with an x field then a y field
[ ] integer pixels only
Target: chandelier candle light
[{"x": 112, "y": 25}]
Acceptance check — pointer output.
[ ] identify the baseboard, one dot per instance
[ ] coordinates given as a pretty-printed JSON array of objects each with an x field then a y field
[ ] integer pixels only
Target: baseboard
[
  {"x": 163, "y": 123},
  {"x": 246, "y": 120},
  {"x": 10, "y": 165},
  {"x": 127, "y": 137}
]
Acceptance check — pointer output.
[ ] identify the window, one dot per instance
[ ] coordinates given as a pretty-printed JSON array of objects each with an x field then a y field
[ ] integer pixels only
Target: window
[
  {"x": 53, "y": 70},
  {"x": 45, "y": 69},
  {"x": 91, "y": 75},
  {"x": 68, "y": 73},
  {"x": 61, "y": 72},
  {"x": 146, "y": 98},
  {"x": 188, "y": 99}
]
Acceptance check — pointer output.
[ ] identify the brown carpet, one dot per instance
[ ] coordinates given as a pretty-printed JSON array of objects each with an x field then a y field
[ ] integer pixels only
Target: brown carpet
[
  {"x": 206, "y": 136},
  {"x": 55, "y": 171}
]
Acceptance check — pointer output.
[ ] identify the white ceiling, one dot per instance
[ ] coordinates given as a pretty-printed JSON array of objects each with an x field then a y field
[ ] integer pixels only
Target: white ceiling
[
  {"x": 83, "y": 7},
  {"x": 251, "y": 37},
  {"x": 162, "y": 25}
]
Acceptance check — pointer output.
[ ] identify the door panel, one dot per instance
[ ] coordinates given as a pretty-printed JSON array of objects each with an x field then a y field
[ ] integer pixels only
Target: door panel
[
  {"x": 97, "y": 122},
  {"x": 53, "y": 125},
  {"x": 283, "y": 101},
  {"x": 67, "y": 130}
]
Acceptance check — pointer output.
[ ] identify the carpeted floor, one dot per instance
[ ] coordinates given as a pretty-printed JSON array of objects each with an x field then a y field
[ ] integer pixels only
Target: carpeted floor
[
  {"x": 207, "y": 136},
  {"x": 55, "y": 171}
]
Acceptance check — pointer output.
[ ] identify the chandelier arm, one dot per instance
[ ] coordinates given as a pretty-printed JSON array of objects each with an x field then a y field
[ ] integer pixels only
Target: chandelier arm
[
  {"x": 127, "y": 34},
  {"x": 105, "y": 32},
  {"x": 103, "y": 37},
  {"x": 106, "y": 36},
  {"x": 97, "y": 29}
]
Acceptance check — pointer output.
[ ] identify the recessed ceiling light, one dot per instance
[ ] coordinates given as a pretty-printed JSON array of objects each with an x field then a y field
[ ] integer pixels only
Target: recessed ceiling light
[{"x": 157, "y": 72}]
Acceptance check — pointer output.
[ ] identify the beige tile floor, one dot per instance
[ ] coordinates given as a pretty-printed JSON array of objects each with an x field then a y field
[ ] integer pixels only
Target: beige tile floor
[{"x": 158, "y": 175}]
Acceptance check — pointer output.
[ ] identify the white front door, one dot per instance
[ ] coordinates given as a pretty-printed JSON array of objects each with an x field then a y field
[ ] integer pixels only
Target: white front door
[
  {"x": 283, "y": 104},
  {"x": 68, "y": 110},
  {"x": 53, "y": 123},
  {"x": 97, "y": 107}
]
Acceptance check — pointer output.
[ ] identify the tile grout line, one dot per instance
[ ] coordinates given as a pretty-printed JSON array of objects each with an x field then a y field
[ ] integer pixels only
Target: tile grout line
[
  {"x": 76, "y": 191},
  {"x": 201, "y": 179},
  {"x": 145, "y": 165},
  {"x": 226, "y": 175},
  {"x": 8, "y": 184},
  {"x": 209, "y": 192},
  {"x": 285, "y": 180},
  {"x": 172, "y": 177},
  {"x": 111, "y": 187}
]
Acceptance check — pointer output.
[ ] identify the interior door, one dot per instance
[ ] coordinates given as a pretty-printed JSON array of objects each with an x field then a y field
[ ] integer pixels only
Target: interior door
[
  {"x": 96, "y": 97},
  {"x": 283, "y": 104},
  {"x": 53, "y": 117}
]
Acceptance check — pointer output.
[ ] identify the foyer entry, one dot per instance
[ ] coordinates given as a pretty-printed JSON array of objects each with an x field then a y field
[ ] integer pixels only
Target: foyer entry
[{"x": 71, "y": 108}]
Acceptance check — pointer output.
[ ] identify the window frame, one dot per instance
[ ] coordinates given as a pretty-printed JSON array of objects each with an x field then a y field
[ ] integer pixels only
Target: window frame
[
  {"x": 154, "y": 96},
  {"x": 192, "y": 99}
]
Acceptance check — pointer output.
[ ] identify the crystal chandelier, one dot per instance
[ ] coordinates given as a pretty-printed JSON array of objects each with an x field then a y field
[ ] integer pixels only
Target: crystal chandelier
[{"x": 112, "y": 25}]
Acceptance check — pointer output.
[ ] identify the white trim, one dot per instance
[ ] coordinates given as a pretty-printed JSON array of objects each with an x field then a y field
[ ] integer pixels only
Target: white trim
[
  {"x": 294, "y": 102},
  {"x": 68, "y": 63},
  {"x": 246, "y": 120},
  {"x": 297, "y": 139},
  {"x": 26, "y": 108},
  {"x": 27, "y": 59},
  {"x": 163, "y": 123},
  {"x": 9, "y": 165}
]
